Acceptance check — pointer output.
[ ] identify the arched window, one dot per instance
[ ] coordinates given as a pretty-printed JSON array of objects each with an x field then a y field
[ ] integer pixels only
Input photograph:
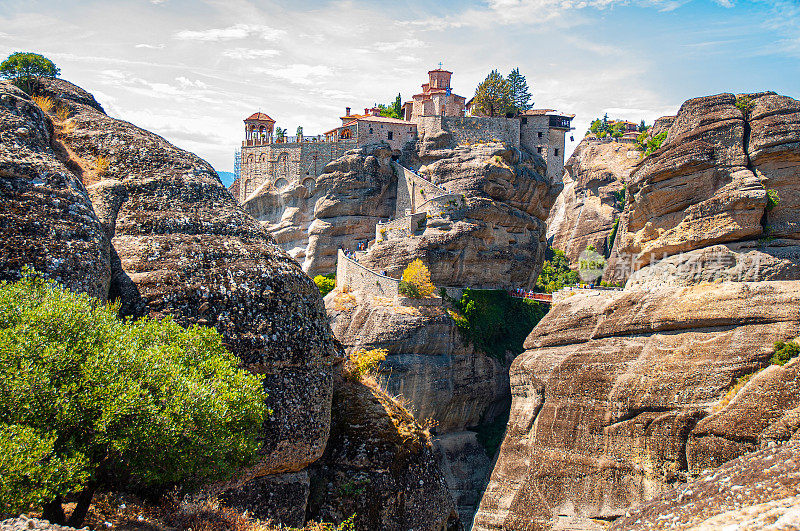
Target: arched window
[
  {"x": 263, "y": 158},
  {"x": 346, "y": 133},
  {"x": 248, "y": 186},
  {"x": 282, "y": 167},
  {"x": 250, "y": 159},
  {"x": 309, "y": 184}
]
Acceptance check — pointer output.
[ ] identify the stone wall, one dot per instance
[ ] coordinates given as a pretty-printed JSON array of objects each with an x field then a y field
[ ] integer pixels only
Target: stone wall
[
  {"x": 413, "y": 191},
  {"x": 537, "y": 136},
  {"x": 298, "y": 162},
  {"x": 471, "y": 129},
  {"x": 444, "y": 205},
  {"x": 355, "y": 277},
  {"x": 394, "y": 134},
  {"x": 403, "y": 227}
]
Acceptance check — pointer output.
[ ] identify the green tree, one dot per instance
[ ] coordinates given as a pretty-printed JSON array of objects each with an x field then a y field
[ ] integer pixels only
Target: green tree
[
  {"x": 493, "y": 96},
  {"x": 299, "y": 131},
  {"x": 642, "y": 127},
  {"x": 556, "y": 272},
  {"x": 394, "y": 109},
  {"x": 280, "y": 134},
  {"x": 520, "y": 94},
  {"x": 88, "y": 400},
  {"x": 26, "y": 70}
]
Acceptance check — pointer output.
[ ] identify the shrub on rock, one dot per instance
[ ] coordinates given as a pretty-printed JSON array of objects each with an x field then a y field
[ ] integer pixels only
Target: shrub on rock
[
  {"x": 416, "y": 281},
  {"x": 88, "y": 400}
]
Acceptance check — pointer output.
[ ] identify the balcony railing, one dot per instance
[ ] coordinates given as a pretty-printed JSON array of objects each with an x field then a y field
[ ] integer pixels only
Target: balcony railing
[{"x": 291, "y": 140}]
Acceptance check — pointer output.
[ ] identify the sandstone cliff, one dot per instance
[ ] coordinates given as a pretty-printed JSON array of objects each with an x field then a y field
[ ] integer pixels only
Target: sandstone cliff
[
  {"x": 156, "y": 230},
  {"x": 621, "y": 395},
  {"x": 726, "y": 174},
  {"x": 756, "y": 491},
  {"x": 594, "y": 187},
  {"x": 439, "y": 376}
]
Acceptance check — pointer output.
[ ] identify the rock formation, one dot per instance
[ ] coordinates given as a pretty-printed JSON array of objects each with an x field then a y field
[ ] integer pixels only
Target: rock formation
[
  {"x": 180, "y": 246},
  {"x": 47, "y": 221},
  {"x": 726, "y": 173},
  {"x": 594, "y": 188},
  {"x": 439, "y": 376},
  {"x": 760, "y": 490},
  {"x": 622, "y": 395}
]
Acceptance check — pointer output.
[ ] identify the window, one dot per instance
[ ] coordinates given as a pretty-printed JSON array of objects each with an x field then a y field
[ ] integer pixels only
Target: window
[
  {"x": 540, "y": 134},
  {"x": 390, "y": 135},
  {"x": 555, "y": 152},
  {"x": 370, "y": 130},
  {"x": 539, "y": 149},
  {"x": 524, "y": 120}
]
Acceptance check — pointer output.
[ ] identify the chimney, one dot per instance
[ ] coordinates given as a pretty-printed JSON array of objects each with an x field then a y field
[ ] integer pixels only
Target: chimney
[
  {"x": 366, "y": 111},
  {"x": 347, "y": 111}
]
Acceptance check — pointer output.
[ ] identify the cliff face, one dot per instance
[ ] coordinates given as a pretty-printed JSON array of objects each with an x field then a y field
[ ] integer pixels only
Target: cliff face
[
  {"x": 181, "y": 246},
  {"x": 709, "y": 183},
  {"x": 621, "y": 395},
  {"x": 439, "y": 376},
  {"x": 592, "y": 199}
]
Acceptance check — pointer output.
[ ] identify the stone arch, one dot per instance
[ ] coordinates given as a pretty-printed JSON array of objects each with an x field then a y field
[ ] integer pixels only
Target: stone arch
[
  {"x": 310, "y": 184},
  {"x": 346, "y": 133},
  {"x": 281, "y": 184},
  {"x": 250, "y": 159},
  {"x": 263, "y": 158},
  {"x": 248, "y": 186}
]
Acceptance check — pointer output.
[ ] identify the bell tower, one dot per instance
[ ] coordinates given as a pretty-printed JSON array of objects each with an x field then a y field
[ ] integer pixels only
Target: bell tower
[{"x": 258, "y": 129}]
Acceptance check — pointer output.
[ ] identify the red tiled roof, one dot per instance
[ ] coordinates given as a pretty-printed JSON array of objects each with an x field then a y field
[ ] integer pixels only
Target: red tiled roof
[
  {"x": 536, "y": 112},
  {"x": 259, "y": 116},
  {"x": 385, "y": 119}
]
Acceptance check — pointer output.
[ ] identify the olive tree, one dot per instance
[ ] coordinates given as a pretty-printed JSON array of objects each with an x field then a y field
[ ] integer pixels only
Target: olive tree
[
  {"x": 26, "y": 70},
  {"x": 88, "y": 400}
]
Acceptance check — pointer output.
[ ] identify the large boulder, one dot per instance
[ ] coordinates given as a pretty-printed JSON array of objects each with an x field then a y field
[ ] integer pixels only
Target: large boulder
[
  {"x": 46, "y": 222},
  {"x": 613, "y": 398},
  {"x": 185, "y": 249}
]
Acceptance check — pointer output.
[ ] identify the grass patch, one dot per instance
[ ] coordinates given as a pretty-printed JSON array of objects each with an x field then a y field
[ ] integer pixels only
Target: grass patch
[
  {"x": 784, "y": 352},
  {"x": 45, "y": 103},
  {"x": 364, "y": 362},
  {"x": 325, "y": 283},
  {"x": 101, "y": 165}
]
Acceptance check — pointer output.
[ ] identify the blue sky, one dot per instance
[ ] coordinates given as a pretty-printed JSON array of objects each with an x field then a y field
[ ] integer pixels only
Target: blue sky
[{"x": 191, "y": 71}]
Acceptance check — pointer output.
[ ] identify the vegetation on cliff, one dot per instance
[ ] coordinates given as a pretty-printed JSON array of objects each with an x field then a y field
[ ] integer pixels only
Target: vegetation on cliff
[
  {"x": 325, "y": 283},
  {"x": 556, "y": 272},
  {"x": 494, "y": 321},
  {"x": 26, "y": 70},
  {"x": 500, "y": 96},
  {"x": 416, "y": 281},
  {"x": 88, "y": 400}
]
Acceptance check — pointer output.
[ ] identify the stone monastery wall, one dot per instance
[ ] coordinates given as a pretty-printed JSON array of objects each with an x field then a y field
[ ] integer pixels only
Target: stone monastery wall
[
  {"x": 413, "y": 190},
  {"x": 286, "y": 163},
  {"x": 472, "y": 129},
  {"x": 352, "y": 276}
]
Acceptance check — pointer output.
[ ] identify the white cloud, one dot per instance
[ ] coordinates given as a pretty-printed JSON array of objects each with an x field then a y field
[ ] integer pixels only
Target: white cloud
[
  {"x": 301, "y": 74},
  {"x": 185, "y": 82},
  {"x": 250, "y": 53},
  {"x": 237, "y": 31},
  {"x": 725, "y": 3},
  {"x": 398, "y": 45},
  {"x": 150, "y": 46}
]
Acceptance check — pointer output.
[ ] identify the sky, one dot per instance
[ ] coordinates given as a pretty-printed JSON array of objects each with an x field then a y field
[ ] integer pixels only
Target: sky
[{"x": 191, "y": 71}]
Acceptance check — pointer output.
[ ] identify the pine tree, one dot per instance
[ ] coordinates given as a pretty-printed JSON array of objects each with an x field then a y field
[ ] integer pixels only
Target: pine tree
[
  {"x": 493, "y": 96},
  {"x": 520, "y": 93},
  {"x": 398, "y": 106}
]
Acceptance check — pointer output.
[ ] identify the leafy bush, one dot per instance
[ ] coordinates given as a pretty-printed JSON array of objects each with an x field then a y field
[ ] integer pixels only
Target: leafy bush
[
  {"x": 105, "y": 401},
  {"x": 26, "y": 70},
  {"x": 772, "y": 199},
  {"x": 325, "y": 283},
  {"x": 619, "y": 195},
  {"x": 408, "y": 289},
  {"x": 364, "y": 362},
  {"x": 418, "y": 280},
  {"x": 490, "y": 435},
  {"x": 654, "y": 143},
  {"x": 556, "y": 272},
  {"x": 494, "y": 321},
  {"x": 745, "y": 104},
  {"x": 785, "y": 352}
]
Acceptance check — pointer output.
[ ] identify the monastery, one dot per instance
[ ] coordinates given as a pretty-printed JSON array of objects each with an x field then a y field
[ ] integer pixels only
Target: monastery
[{"x": 276, "y": 161}]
